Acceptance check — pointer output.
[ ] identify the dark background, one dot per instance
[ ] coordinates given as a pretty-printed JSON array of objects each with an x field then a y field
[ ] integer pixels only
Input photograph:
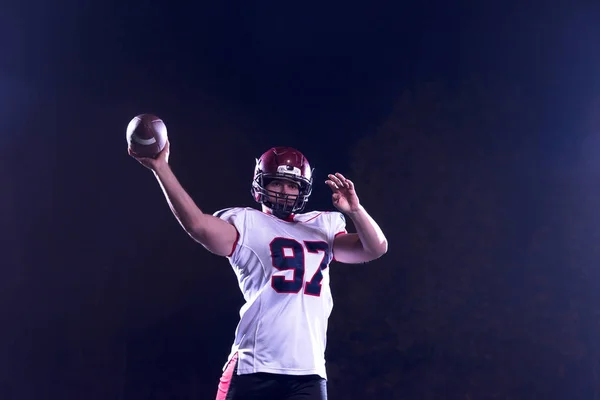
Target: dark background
[{"x": 471, "y": 130}]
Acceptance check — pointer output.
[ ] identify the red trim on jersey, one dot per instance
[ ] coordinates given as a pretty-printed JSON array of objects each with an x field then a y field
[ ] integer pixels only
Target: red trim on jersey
[
  {"x": 237, "y": 238},
  {"x": 225, "y": 380},
  {"x": 308, "y": 220},
  {"x": 334, "y": 236}
]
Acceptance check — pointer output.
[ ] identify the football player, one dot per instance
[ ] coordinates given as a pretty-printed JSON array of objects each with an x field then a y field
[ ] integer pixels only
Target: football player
[{"x": 281, "y": 258}]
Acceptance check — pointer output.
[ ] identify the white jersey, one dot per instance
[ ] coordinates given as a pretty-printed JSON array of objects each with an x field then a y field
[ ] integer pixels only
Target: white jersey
[{"x": 282, "y": 271}]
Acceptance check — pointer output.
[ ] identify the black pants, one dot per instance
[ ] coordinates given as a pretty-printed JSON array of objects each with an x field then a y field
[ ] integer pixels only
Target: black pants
[{"x": 265, "y": 386}]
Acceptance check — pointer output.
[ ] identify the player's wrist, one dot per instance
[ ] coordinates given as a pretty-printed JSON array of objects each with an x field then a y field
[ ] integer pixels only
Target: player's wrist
[
  {"x": 160, "y": 169},
  {"x": 355, "y": 212}
]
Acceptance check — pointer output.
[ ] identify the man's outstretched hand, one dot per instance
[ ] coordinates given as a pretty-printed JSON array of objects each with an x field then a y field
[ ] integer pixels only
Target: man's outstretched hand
[
  {"x": 157, "y": 162},
  {"x": 344, "y": 196}
]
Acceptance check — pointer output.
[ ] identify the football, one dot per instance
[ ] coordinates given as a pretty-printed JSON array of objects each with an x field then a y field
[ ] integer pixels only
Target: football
[{"x": 146, "y": 135}]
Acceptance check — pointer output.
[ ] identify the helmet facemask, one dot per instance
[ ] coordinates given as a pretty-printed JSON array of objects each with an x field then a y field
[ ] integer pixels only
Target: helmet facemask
[{"x": 281, "y": 204}]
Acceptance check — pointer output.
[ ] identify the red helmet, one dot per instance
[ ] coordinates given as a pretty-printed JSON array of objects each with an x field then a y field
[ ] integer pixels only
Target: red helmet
[{"x": 282, "y": 163}]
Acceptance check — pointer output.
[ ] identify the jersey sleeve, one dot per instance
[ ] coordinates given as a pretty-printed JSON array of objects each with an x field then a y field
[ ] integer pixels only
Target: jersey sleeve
[
  {"x": 237, "y": 217},
  {"x": 337, "y": 226},
  {"x": 338, "y": 223}
]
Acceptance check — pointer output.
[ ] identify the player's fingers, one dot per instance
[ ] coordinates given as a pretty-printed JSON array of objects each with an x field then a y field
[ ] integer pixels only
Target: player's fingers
[
  {"x": 342, "y": 179},
  {"x": 332, "y": 185},
  {"x": 350, "y": 184},
  {"x": 164, "y": 153},
  {"x": 336, "y": 180},
  {"x": 135, "y": 157}
]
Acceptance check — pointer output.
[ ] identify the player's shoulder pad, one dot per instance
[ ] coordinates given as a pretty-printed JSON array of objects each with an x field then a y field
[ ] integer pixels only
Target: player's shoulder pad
[
  {"x": 308, "y": 216},
  {"x": 337, "y": 221},
  {"x": 221, "y": 213},
  {"x": 337, "y": 216},
  {"x": 229, "y": 212}
]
